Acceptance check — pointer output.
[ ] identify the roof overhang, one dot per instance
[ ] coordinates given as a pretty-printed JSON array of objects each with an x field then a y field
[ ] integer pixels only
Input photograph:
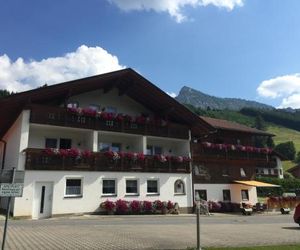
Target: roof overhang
[
  {"x": 127, "y": 81},
  {"x": 256, "y": 184}
]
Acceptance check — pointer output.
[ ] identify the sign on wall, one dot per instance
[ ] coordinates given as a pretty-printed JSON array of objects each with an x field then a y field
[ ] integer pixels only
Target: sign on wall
[{"x": 11, "y": 189}]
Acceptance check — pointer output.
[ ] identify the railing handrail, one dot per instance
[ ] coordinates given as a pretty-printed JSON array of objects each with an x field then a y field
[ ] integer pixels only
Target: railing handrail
[{"x": 63, "y": 117}]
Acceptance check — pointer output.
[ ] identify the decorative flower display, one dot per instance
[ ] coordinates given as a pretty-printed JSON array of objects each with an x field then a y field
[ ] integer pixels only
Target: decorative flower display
[
  {"x": 232, "y": 147},
  {"x": 112, "y": 155},
  {"x": 137, "y": 207},
  {"x": 107, "y": 116},
  {"x": 160, "y": 158},
  {"x": 72, "y": 152},
  {"x": 108, "y": 205}
]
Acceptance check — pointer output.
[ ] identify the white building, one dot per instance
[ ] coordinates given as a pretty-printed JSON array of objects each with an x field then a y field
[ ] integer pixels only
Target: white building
[{"x": 77, "y": 115}]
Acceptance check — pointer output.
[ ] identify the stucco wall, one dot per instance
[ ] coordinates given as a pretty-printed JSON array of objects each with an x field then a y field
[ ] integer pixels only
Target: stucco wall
[
  {"x": 92, "y": 190},
  {"x": 82, "y": 139},
  {"x": 123, "y": 103},
  {"x": 17, "y": 140},
  {"x": 215, "y": 192}
]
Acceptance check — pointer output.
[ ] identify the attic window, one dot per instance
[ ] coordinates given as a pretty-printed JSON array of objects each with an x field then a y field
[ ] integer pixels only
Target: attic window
[
  {"x": 111, "y": 110},
  {"x": 72, "y": 105}
]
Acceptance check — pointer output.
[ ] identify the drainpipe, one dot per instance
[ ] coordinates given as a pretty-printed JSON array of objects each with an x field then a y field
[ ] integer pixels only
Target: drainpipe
[{"x": 4, "y": 152}]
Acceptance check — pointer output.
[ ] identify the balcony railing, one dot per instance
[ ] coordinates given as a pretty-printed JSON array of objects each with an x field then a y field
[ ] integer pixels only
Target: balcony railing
[
  {"x": 257, "y": 159},
  {"x": 62, "y": 117},
  {"x": 36, "y": 159}
]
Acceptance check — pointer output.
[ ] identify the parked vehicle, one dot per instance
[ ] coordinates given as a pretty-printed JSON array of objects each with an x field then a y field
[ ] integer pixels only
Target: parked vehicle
[{"x": 297, "y": 214}]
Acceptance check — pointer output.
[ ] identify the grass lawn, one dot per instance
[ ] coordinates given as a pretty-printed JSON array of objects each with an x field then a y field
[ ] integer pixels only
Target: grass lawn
[
  {"x": 283, "y": 247},
  {"x": 284, "y": 135}
]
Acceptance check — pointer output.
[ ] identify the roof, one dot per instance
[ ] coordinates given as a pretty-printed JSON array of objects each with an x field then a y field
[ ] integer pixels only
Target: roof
[
  {"x": 127, "y": 81},
  {"x": 293, "y": 168},
  {"x": 256, "y": 184},
  {"x": 233, "y": 126}
]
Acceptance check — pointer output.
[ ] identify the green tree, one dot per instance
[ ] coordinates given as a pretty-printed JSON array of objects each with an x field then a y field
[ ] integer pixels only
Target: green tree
[
  {"x": 297, "y": 159},
  {"x": 270, "y": 143},
  {"x": 259, "y": 123},
  {"x": 287, "y": 149}
]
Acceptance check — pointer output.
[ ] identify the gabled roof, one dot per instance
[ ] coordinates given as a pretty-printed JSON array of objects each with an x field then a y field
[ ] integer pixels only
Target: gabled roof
[
  {"x": 293, "y": 168},
  {"x": 233, "y": 126},
  {"x": 127, "y": 81}
]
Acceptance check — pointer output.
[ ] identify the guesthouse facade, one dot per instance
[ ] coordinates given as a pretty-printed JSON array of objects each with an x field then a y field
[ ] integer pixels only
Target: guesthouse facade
[
  {"x": 227, "y": 161},
  {"x": 112, "y": 136}
]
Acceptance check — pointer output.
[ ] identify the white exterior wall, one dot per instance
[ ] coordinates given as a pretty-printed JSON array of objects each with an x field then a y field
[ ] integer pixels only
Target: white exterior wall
[
  {"x": 82, "y": 139},
  {"x": 123, "y": 103},
  {"x": 92, "y": 190},
  {"x": 215, "y": 192},
  {"x": 17, "y": 140}
]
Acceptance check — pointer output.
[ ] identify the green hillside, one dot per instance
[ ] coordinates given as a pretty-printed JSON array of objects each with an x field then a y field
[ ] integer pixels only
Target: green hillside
[{"x": 283, "y": 135}]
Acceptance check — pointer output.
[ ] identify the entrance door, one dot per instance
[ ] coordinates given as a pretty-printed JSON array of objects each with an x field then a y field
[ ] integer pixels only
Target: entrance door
[{"x": 42, "y": 205}]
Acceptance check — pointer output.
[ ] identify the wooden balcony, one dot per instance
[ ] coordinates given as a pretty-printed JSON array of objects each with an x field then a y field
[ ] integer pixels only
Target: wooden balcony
[
  {"x": 62, "y": 117},
  {"x": 36, "y": 159},
  {"x": 255, "y": 159}
]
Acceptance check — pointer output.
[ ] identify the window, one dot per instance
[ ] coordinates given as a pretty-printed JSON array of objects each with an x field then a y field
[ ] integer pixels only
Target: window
[
  {"x": 243, "y": 174},
  {"x": 72, "y": 105},
  {"x": 51, "y": 143},
  {"x": 269, "y": 171},
  {"x": 111, "y": 110},
  {"x": 245, "y": 195},
  {"x": 200, "y": 194},
  {"x": 132, "y": 187},
  {"x": 154, "y": 150},
  {"x": 257, "y": 170},
  {"x": 65, "y": 143},
  {"x": 152, "y": 186},
  {"x": 225, "y": 171},
  {"x": 226, "y": 195},
  {"x": 94, "y": 107},
  {"x": 73, "y": 187},
  {"x": 115, "y": 147},
  {"x": 179, "y": 187},
  {"x": 109, "y": 187}
]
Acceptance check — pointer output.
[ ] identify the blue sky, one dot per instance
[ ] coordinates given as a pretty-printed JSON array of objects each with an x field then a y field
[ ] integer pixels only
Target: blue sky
[{"x": 228, "y": 48}]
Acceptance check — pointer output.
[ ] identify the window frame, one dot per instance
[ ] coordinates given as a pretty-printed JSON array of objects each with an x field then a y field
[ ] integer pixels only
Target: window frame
[
  {"x": 246, "y": 191},
  {"x": 137, "y": 187},
  {"x": 109, "y": 194},
  {"x": 226, "y": 190},
  {"x": 48, "y": 138},
  {"x": 184, "y": 189},
  {"x": 157, "y": 187},
  {"x": 199, "y": 191},
  {"x": 81, "y": 187}
]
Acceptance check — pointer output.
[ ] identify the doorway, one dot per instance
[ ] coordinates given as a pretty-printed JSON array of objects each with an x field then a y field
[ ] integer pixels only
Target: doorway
[{"x": 42, "y": 204}]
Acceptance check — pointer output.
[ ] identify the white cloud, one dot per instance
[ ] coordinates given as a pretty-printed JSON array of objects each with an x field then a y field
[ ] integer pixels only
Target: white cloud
[
  {"x": 172, "y": 94},
  {"x": 173, "y": 7},
  {"x": 85, "y": 61},
  {"x": 286, "y": 87}
]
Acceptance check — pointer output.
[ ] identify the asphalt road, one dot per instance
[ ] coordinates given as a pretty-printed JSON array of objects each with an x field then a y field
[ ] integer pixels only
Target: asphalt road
[{"x": 151, "y": 232}]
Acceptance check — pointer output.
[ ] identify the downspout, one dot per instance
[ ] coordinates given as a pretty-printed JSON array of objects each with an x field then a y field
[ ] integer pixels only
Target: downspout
[{"x": 4, "y": 152}]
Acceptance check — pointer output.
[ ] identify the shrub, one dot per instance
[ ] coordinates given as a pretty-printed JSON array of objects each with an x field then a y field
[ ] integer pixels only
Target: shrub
[
  {"x": 170, "y": 205},
  {"x": 135, "y": 206},
  {"x": 214, "y": 206},
  {"x": 147, "y": 206},
  {"x": 121, "y": 206},
  {"x": 158, "y": 205},
  {"x": 108, "y": 205}
]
